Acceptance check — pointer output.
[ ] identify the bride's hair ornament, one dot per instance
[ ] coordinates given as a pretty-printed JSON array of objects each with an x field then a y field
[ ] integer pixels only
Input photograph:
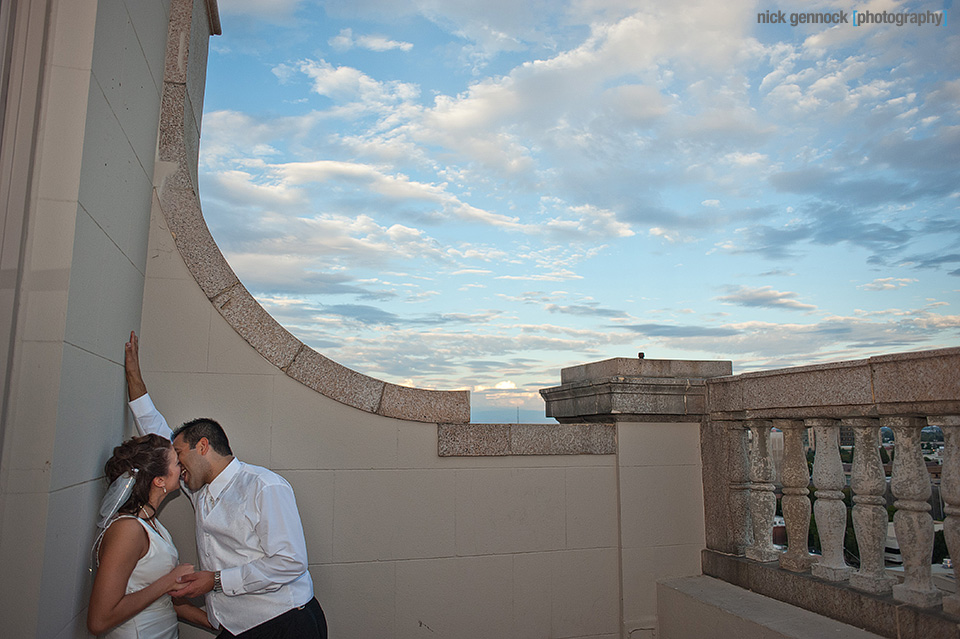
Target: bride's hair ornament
[{"x": 117, "y": 495}]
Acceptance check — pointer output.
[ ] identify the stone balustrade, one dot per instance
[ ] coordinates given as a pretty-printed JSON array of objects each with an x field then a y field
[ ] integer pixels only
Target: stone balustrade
[{"x": 905, "y": 393}]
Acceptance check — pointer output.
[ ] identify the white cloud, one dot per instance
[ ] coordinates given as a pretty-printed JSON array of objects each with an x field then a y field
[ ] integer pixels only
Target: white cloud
[
  {"x": 472, "y": 271},
  {"x": 636, "y": 103},
  {"x": 345, "y": 41},
  {"x": 554, "y": 276},
  {"x": 887, "y": 284},
  {"x": 588, "y": 222},
  {"x": 241, "y": 189},
  {"x": 397, "y": 187},
  {"x": 325, "y": 241},
  {"x": 746, "y": 159},
  {"x": 671, "y": 236},
  {"x": 352, "y": 85},
  {"x": 764, "y": 297}
]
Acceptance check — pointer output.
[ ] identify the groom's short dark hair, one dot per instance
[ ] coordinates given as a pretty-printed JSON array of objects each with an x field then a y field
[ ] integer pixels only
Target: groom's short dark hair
[{"x": 196, "y": 429}]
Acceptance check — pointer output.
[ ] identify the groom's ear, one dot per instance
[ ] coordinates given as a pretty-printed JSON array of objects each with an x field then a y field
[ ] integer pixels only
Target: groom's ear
[{"x": 203, "y": 446}]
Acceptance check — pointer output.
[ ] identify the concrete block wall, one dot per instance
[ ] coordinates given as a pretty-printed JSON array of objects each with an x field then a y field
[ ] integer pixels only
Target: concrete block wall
[{"x": 89, "y": 164}]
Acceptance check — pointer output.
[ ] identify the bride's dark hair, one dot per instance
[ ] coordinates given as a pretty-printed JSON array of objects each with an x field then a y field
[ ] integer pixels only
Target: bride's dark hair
[{"x": 149, "y": 455}]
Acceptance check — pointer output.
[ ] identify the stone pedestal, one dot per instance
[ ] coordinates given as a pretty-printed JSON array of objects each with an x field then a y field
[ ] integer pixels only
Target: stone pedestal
[
  {"x": 639, "y": 390},
  {"x": 665, "y": 500}
]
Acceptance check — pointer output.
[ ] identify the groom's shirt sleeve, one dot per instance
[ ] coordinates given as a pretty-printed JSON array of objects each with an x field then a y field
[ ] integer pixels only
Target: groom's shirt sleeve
[
  {"x": 148, "y": 419},
  {"x": 278, "y": 539}
]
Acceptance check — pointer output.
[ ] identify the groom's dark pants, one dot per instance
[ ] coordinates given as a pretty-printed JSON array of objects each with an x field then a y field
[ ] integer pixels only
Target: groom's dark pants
[{"x": 305, "y": 622}]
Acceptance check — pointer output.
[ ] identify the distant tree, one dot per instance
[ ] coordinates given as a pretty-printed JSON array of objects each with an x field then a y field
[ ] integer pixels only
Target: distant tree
[{"x": 884, "y": 456}]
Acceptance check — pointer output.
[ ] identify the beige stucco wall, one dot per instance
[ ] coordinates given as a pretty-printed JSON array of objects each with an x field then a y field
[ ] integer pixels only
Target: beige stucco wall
[
  {"x": 661, "y": 513},
  {"x": 74, "y": 280}
]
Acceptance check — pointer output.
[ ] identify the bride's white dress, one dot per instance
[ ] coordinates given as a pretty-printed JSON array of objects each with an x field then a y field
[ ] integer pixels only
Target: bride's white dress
[{"x": 158, "y": 620}]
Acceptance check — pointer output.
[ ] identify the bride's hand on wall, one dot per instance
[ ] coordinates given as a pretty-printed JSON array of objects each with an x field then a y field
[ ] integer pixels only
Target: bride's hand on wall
[{"x": 131, "y": 366}]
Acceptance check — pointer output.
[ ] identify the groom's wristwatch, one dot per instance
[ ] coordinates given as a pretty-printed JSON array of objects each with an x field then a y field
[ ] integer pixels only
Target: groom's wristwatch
[{"x": 217, "y": 586}]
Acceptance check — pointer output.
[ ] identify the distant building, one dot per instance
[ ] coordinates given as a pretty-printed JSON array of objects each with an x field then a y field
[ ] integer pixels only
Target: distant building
[{"x": 846, "y": 435}]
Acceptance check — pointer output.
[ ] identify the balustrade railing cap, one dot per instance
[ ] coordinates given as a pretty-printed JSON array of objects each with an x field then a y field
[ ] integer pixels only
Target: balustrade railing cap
[
  {"x": 917, "y": 383},
  {"x": 636, "y": 367}
]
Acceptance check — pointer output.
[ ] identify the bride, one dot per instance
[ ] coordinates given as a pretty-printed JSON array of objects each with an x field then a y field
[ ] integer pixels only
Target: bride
[{"x": 137, "y": 561}]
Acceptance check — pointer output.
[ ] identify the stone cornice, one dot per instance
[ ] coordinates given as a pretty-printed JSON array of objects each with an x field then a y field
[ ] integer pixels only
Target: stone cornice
[
  {"x": 636, "y": 390},
  {"x": 497, "y": 440}
]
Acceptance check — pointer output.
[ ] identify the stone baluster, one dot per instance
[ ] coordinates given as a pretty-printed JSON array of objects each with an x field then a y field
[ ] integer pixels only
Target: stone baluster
[
  {"x": 912, "y": 521},
  {"x": 829, "y": 509},
  {"x": 950, "y": 491},
  {"x": 739, "y": 478},
  {"x": 796, "y": 499},
  {"x": 869, "y": 510},
  {"x": 763, "y": 503}
]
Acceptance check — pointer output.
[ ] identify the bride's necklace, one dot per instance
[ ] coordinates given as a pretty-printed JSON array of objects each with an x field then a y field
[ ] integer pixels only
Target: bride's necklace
[{"x": 148, "y": 519}]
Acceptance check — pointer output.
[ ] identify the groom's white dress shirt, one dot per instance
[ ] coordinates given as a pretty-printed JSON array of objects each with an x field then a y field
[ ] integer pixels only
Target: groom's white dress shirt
[{"x": 248, "y": 527}]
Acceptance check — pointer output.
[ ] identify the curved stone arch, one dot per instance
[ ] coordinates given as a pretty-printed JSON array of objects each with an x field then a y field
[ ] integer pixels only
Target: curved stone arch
[{"x": 178, "y": 195}]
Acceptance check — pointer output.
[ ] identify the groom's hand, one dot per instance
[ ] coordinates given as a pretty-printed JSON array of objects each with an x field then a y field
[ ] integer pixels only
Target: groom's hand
[{"x": 194, "y": 584}]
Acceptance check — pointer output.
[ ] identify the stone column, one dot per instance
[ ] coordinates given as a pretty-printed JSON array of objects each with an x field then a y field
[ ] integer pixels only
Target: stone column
[
  {"x": 912, "y": 521},
  {"x": 950, "y": 491},
  {"x": 738, "y": 476},
  {"x": 869, "y": 510},
  {"x": 796, "y": 499},
  {"x": 829, "y": 509},
  {"x": 763, "y": 503}
]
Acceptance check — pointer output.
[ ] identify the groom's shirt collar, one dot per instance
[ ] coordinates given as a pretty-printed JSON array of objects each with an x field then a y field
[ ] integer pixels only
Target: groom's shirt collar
[{"x": 222, "y": 480}]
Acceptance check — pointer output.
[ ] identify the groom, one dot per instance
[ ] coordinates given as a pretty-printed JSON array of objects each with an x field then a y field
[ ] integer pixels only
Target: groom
[{"x": 249, "y": 536}]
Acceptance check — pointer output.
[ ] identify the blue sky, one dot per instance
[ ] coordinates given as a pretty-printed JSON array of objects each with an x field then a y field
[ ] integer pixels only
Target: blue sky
[{"x": 454, "y": 194}]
